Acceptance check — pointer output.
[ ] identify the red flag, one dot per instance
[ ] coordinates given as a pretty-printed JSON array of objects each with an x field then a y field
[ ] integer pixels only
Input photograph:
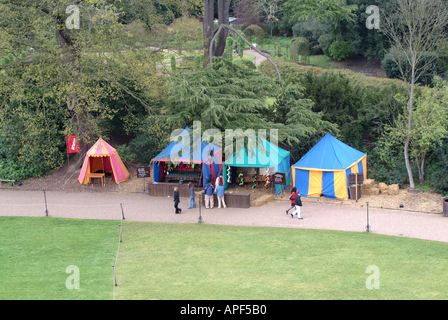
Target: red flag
[{"x": 72, "y": 144}]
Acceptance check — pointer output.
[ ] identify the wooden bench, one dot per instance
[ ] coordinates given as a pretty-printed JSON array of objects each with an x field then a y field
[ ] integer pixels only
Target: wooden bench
[
  {"x": 370, "y": 71},
  {"x": 101, "y": 176},
  {"x": 1, "y": 180}
]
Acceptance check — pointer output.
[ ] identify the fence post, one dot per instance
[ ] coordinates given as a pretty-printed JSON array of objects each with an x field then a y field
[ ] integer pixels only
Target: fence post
[
  {"x": 46, "y": 209},
  {"x": 122, "y": 213},
  {"x": 120, "y": 231},
  {"x": 200, "y": 205},
  {"x": 368, "y": 226},
  {"x": 115, "y": 278}
]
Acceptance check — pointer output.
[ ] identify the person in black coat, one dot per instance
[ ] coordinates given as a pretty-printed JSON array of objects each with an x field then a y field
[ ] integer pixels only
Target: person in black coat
[
  {"x": 176, "y": 200},
  {"x": 298, "y": 204}
]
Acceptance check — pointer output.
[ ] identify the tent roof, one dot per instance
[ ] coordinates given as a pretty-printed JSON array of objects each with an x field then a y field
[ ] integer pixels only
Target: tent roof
[
  {"x": 195, "y": 156},
  {"x": 330, "y": 154},
  {"x": 256, "y": 159},
  {"x": 101, "y": 149}
]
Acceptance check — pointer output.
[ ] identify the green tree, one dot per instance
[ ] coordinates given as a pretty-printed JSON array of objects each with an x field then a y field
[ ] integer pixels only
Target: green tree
[
  {"x": 429, "y": 126},
  {"x": 414, "y": 28},
  {"x": 322, "y": 10}
]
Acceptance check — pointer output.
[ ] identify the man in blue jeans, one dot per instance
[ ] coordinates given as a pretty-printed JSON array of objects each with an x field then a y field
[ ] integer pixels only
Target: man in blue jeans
[{"x": 209, "y": 202}]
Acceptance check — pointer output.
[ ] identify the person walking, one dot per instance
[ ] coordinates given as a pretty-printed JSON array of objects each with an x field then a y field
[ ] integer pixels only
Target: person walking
[
  {"x": 177, "y": 200},
  {"x": 297, "y": 204},
  {"x": 209, "y": 202},
  {"x": 292, "y": 198},
  {"x": 219, "y": 181},
  {"x": 220, "y": 195},
  {"x": 192, "y": 196}
]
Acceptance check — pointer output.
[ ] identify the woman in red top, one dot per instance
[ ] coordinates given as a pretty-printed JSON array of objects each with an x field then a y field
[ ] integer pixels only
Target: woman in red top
[{"x": 292, "y": 198}]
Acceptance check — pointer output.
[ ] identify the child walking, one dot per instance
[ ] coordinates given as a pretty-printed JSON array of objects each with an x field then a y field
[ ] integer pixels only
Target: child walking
[
  {"x": 177, "y": 200},
  {"x": 192, "y": 196},
  {"x": 292, "y": 198},
  {"x": 220, "y": 196},
  {"x": 297, "y": 204}
]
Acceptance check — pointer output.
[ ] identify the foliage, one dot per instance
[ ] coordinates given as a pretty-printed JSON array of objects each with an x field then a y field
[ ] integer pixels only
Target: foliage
[
  {"x": 392, "y": 69},
  {"x": 312, "y": 30},
  {"x": 126, "y": 153},
  {"x": 322, "y": 10},
  {"x": 340, "y": 50},
  {"x": 300, "y": 47},
  {"x": 439, "y": 178},
  {"x": 151, "y": 137},
  {"x": 31, "y": 142},
  {"x": 429, "y": 126},
  {"x": 253, "y": 32}
]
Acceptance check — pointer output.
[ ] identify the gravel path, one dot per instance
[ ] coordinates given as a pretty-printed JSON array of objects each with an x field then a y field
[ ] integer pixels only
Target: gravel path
[{"x": 141, "y": 207}]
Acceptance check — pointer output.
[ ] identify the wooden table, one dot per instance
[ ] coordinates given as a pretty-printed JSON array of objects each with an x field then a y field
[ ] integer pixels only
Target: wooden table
[{"x": 102, "y": 176}]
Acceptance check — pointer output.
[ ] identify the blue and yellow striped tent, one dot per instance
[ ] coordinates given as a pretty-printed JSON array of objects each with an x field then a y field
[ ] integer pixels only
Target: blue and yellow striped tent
[{"x": 325, "y": 168}]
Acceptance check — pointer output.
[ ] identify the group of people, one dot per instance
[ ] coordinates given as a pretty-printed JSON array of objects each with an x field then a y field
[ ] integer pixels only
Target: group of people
[{"x": 209, "y": 190}]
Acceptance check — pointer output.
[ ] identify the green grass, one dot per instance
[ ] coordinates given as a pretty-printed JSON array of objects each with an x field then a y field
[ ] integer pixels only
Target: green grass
[
  {"x": 189, "y": 261},
  {"x": 200, "y": 261},
  {"x": 35, "y": 253}
]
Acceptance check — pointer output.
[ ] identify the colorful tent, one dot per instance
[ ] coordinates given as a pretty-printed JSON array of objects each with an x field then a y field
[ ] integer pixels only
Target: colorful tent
[
  {"x": 325, "y": 168},
  {"x": 189, "y": 151},
  {"x": 275, "y": 158},
  {"x": 102, "y": 157}
]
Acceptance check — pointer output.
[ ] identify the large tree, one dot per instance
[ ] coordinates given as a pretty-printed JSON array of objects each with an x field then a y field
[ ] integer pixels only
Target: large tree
[
  {"x": 79, "y": 67},
  {"x": 414, "y": 28}
]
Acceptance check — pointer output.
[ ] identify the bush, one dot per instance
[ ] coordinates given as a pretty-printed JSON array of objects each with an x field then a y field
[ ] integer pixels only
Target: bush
[
  {"x": 340, "y": 50},
  {"x": 439, "y": 178},
  {"x": 126, "y": 153},
  {"x": 325, "y": 42},
  {"x": 312, "y": 30},
  {"x": 253, "y": 32},
  {"x": 300, "y": 47},
  {"x": 393, "y": 71}
]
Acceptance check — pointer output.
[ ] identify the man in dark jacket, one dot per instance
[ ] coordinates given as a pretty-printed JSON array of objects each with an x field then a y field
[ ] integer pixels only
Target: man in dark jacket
[
  {"x": 298, "y": 204},
  {"x": 176, "y": 200}
]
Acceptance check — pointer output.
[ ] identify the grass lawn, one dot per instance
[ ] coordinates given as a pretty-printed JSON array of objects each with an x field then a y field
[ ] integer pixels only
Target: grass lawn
[
  {"x": 200, "y": 261},
  {"x": 190, "y": 261},
  {"x": 36, "y": 251}
]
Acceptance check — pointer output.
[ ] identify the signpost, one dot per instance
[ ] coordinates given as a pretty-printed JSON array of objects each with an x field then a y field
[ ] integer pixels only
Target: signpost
[
  {"x": 143, "y": 172},
  {"x": 279, "y": 178}
]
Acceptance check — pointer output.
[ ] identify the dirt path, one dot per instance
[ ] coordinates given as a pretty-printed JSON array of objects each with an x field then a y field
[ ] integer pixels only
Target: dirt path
[
  {"x": 141, "y": 207},
  {"x": 258, "y": 57}
]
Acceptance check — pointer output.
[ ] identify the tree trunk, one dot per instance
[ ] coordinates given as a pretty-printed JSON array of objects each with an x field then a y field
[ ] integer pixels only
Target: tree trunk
[
  {"x": 77, "y": 107},
  {"x": 408, "y": 138},
  {"x": 223, "y": 18},
  {"x": 207, "y": 28}
]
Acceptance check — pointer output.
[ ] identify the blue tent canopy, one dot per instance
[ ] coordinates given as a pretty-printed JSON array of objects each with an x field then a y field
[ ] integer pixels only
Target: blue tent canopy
[
  {"x": 325, "y": 168},
  {"x": 188, "y": 152},
  {"x": 274, "y": 157}
]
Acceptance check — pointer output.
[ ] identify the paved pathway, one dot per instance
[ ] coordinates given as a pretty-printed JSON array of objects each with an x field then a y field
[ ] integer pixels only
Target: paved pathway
[{"x": 141, "y": 207}]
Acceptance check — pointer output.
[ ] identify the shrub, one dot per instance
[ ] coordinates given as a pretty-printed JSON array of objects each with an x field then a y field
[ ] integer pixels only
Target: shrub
[
  {"x": 300, "y": 47},
  {"x": 325, "y": 42},
  {"x": 393, "y": 71},
  {"x": 340, "y": 50}
]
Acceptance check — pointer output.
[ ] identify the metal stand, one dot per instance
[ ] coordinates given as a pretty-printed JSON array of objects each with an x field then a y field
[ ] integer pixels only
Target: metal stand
[
  {"x": 368, "y": 225},
  {"x": 122, "y": 213},
  {"x": 46, "y": 209},
  {"x": 115, "y": 278},
  {"x": 200, "y": 205}
]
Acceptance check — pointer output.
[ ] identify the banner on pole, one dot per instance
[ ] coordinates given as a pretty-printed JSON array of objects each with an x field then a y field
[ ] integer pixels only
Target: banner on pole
[{"x": 72, "y": 144}]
